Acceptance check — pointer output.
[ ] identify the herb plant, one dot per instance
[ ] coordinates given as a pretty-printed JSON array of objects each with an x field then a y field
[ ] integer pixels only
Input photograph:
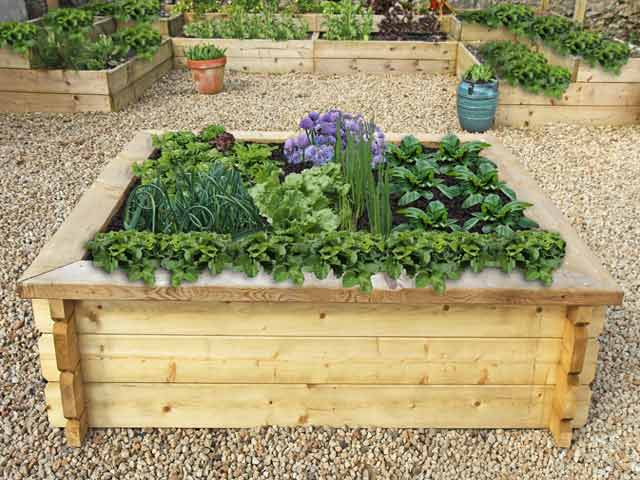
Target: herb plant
[
  {"x": 19, "y": 36},
  {"x": 136, "y": 10},
  {"x": 100, "y": 8},
  {"x": 68, "y": 20},
  {"x": 204, "y": 52},
  {"x": 518, "y": 65},
  {"x": 143, "y": 40},
  {"x": 480, "y": 74},
  {"x": 347, "y": 20},
  {"x": 198, "y": 7}
]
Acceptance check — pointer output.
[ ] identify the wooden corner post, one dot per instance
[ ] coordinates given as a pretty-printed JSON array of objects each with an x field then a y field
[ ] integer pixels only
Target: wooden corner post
[
  {"x": 68, "y": 361},
  {"x": 572, "y": 354}
]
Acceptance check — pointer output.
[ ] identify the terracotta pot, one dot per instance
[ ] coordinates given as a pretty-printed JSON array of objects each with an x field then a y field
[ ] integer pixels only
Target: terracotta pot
[{"x": 208, "y": 74}]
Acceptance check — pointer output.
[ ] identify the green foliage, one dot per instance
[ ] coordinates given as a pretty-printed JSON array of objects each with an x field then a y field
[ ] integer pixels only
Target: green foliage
[
  {"x": 68, "y": 20},
  {"x": 141, "y": 39},
  {"x": 304, "y": 202},
  {"x": 348, "y": 20},
  {"x": 408, "y": 151},
  {"x": 55, "y": 49},
  {"x": 500, "y": 218},
  {"x": 199, "y": 7},
  {"x": 419, "y": 181},
  {"x": 204, "y": 52},
  {"x": 305, "y": 6},
  {"x": 430, "y": 258},
  {"x": 100, "y": 8},
  {"x": 136, "y": 10},
  {"x": 480, "y": 74},
  {"x": 518, "y": 65},
  {"x": 18, "y": 36},
  {"x": 435, "y": 217},
  {"x": 212, "y": 201},
  {"x": 475, "y": 186},
  {"x": 452, "y": 152},
  {"x": 103, "y": 54},
  {"x": 242, "y": 25},
  {"x": 561, "y": 34}
]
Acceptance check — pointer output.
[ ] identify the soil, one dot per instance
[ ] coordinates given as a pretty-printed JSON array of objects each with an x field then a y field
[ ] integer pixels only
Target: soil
[{"x": 410, "y": 37}]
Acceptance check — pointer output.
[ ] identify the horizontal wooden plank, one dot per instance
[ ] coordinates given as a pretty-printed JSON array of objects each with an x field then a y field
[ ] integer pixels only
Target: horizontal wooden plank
[
  {"x": 520, "y": 116},
  {"x": 239, "y": 406},
  {"x": 310, "y": 319},
  {"x": 578, "y": 94},
  {"x": 275, "y": 65},
  {"x": 134, "y": 91},
  {"x": 53, "y": 81},
  {"x": 367, "y": 65},
  {"x": 21, "y": 102},
  {"x": 249, "y": 48},
  {"x": 316, "y": 360},
  {"x": 378, "y": 49},
  {"x": 470, "y": 31},
  {"x": 11, "y": 59},
  {"x": 630, "y": 73}
]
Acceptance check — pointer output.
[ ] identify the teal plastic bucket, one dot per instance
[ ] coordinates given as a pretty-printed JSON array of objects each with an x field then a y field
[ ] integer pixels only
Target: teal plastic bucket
[{"x": 477, "y": 104}]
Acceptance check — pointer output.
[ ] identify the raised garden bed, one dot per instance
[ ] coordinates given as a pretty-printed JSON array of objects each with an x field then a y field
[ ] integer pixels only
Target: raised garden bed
[
  {"x": 167, "y": 26},
  {"x": 30, "y": 90},
  {"x": 594, "y": 98},
  {"x": 492, "y": 351}
]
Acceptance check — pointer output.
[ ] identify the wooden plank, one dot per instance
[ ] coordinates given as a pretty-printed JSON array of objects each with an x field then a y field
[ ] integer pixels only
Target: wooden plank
[
  {"x": 261, "y": 65},
  {"x": 476, "y": 32},
  {"x": 66, "y": 345},
  {"x": 630, "y": 73},
  {"x": 574, "y": 348},
  {"x": 454, "y": 28},
  {"x": 124, "y": 76},
  {"x": 564, "y": 400},
  {"x": 561, "y": 430},
  {"x": 314, "y": 319},
  {"x": 579, "y": 11},
  {"x": 521, "y": 116},
  {"x": 21, "y": 102},
  {"x": 61, "y": 310},
  {"x": 466, "y": 60},
  {"x": 298, "y": 49},
  {"x": 76, "y": 429},
  {"x": 134, "y": 91},
  {"x": 580, "y": 316},
  {"x": 11, "y": 59},
  {"x": 378, "y": 49},
  {"x": 241, "y": 406},
  {"x": 578, "y": 94},
  {"x": 382, "y": 66},
  {"x": 313, "y": 360},
  {"x": 93, "y": 212},
  {"x": 71, "y": 393},
  {"x": 53, "y": 81}
]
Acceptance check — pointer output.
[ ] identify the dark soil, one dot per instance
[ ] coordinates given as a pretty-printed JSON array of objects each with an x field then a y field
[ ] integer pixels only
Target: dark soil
[{"x": 410, "y": 37}]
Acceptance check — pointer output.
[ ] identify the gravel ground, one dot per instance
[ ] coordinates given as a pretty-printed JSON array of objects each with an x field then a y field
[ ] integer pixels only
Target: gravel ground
[{"x": 48, "y": 160}]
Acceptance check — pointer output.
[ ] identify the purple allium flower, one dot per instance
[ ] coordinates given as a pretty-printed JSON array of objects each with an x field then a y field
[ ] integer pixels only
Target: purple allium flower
[
  {"x": 314, "y": 116},
  {"x": 302, "y": 141},
  {"x": 306, "y": 123},
  {"x": 326, "y": 128}
]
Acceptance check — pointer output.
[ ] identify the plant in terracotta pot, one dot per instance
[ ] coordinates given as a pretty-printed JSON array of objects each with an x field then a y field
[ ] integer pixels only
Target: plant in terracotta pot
[{"x": 206, "y": 63}]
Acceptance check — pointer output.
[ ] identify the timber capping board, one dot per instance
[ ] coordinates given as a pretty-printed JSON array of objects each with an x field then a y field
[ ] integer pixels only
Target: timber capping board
[{"x": 61, "y": 271}]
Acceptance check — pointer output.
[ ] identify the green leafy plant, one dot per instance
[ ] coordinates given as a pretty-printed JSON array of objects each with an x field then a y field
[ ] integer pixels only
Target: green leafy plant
[
  {"x": 213, "y": 201},
  {"x": 242, "y": 25},
  {"x": 347, "y": 20},
  {"x": 102, "y": 54},
  {"x": 514, "y": 17},
  {"x": 480, "y": 74},
  {"x": 68, "y": 20},
  {"x": 503, "y": 219},
  {"x": 418, "y": 182},
  {"x": 19, "y": 36},
  {"x": 60, "y": 50},
  {"x": 452, "y": 152},
  {"x": 435, "y": 217},
  {"x": 143, "y": 40},
  {"x": 408, "y": 151},
  {"x": 136, "y": 10},
  {"x": 549, "y": 27},
  {"x": 518, "y": 65},
  {"x": 475, "y": 186},
  {"x": 430, "y": 258},
  {"x": 100, "y": 8},
  {"x": 204, "y": 52},
  {"x": 199, "y": 7},
  {"x": 593, "y": 48}
]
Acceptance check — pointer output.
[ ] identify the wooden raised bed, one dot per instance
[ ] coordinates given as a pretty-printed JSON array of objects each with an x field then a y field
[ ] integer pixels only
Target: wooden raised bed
[
  {"x": 228, "y": 351},
  {"x": 593, "y": 98},
  {"x": 167, "y": 26},
  {"x": 28, "y": 90}
]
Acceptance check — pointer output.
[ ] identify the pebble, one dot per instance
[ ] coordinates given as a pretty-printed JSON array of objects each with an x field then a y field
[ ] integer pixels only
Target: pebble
[{"x": 48, "y": 160}]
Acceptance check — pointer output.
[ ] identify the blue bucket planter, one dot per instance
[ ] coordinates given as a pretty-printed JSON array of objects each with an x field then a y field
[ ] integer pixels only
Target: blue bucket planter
[{"x": 477, "y": 105}]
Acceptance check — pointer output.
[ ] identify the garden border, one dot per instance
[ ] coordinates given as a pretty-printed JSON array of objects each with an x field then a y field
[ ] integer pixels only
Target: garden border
[{"x": 493, "y": 351}]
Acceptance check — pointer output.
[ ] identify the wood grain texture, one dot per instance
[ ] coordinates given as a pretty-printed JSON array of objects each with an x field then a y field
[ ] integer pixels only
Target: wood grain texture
[
  {"x": 76, "y": 429},
  {"x": 522, "y": 116},
  {"x": 578, "y": 94},
  {"x": 378, "y": 49},
  {"x": 630, "y": 73},
  {"x": 135, "y": 90},
  {"x": 71, "y": 392},
  {"x": 11, "y": 59},
  {"x": 314, "y": 360},
  {"x": 238, "y": 406},
  {"x": 382, "y": 66},
  {"x": 66, "y": 345},
  {"x": 61, "y": 310}
]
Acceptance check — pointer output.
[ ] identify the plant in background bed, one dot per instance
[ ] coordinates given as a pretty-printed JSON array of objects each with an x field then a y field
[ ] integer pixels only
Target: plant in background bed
[
  {"x": 347, "y": 20},
  {"x": 199, "y": 7},
  {"x": 136, "y": 10},
  {"x": 101, "y": 8},
  {"x": 206, "y": 63},
  {"x": 529, "y": 70},
  {"x": 19, "y": 36},
  {"x": 400, "y": 23},
  {"x": 143, "y": 40},
  {"x": 68, "y": 20},
  {"x": 477, "y": 99},
  {"x": 514, "y": 17}
]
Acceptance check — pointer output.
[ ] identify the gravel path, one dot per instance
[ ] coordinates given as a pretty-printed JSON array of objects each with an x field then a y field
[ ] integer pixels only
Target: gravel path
[{"x": 47, "y": 161}]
